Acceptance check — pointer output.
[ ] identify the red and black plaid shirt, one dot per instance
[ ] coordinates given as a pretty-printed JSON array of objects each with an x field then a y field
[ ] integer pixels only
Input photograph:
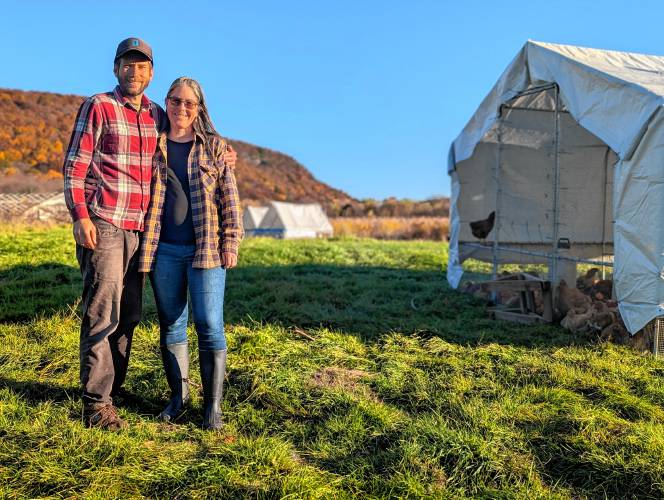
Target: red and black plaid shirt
[{"x": 108, "y": 165}]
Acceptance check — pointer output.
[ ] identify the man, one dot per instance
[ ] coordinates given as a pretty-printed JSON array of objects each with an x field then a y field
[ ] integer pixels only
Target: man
[{"x": 107, "y": 175}]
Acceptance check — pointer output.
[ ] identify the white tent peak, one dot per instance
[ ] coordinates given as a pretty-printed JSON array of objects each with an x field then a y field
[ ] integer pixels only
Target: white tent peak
[{"x": 252, "y": 217}]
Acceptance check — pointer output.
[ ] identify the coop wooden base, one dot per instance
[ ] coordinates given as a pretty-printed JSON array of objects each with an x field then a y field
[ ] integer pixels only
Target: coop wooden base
[{"x": 525, "y": 285}]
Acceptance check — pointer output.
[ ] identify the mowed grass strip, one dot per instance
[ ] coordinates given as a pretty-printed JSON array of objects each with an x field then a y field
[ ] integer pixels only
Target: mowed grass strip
[{"x": 354, "y": 371}]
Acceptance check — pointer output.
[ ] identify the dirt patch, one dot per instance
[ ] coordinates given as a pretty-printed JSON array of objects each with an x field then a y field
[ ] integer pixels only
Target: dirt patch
[{"x": 348, "y": 380}]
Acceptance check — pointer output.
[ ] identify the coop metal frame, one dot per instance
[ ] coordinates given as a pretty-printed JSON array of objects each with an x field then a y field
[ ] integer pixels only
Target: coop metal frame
[
  {"x": 655, "y": 332},
  {"x": 554, "y": 256},
  {"x": 654, "y": 329}
]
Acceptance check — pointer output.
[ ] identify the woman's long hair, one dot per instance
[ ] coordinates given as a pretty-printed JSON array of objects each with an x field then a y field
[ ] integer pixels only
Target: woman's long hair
[{"x": 203, "y": 123}]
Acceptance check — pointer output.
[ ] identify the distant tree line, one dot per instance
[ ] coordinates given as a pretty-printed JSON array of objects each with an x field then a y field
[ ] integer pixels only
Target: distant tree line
[{"x": 393, "y": 207}]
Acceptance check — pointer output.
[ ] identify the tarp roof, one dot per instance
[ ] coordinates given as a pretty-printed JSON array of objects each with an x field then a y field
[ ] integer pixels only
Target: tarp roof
[
  {"x": 611, "y": 94},
  {"x": 282, "y": 215}
]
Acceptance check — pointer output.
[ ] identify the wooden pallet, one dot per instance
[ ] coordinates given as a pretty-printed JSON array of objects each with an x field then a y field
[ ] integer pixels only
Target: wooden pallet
[{"x": 525, "y": 285}]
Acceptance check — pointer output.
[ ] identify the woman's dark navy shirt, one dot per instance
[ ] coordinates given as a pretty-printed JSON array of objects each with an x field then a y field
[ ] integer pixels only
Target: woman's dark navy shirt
[{"x": 177, "y": 225}]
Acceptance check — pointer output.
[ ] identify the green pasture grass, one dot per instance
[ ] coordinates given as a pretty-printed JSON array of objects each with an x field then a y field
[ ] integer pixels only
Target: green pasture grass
[{"x": 354, "y": 371}]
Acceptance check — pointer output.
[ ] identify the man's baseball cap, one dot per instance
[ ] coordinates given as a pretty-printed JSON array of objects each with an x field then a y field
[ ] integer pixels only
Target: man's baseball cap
[{"x": 133, "y": 45}]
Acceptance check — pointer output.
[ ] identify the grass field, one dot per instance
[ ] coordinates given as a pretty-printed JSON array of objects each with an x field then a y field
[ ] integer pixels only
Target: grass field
[{"x": 354, "y": 371}]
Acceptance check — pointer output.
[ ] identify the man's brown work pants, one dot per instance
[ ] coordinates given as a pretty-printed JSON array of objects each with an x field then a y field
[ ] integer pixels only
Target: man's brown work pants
[{"x": 112, "y": 303}]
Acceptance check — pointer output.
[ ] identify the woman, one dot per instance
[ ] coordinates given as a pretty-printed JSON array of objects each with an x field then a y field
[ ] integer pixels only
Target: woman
[{"x": 192, "y": 234}]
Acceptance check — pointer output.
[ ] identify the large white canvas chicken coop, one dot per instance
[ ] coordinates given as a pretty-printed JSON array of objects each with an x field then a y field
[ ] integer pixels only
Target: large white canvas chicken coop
[{"x": 568, "y": 151}]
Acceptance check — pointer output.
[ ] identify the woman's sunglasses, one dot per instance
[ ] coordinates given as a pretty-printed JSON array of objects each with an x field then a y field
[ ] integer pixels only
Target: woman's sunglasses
[{"x": 176, "y": 102}]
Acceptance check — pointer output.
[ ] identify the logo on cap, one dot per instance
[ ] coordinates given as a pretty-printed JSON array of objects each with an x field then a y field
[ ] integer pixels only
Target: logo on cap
[{"x": 134, "y": 43}]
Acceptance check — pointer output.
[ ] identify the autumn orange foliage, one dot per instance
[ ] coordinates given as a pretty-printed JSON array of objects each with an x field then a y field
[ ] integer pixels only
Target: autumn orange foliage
[{"x": 34, "y": 128}]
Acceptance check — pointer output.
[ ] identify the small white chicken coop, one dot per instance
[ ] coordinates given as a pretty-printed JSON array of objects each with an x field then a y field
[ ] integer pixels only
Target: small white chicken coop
[
  {"x": 287, "y": 220},
  {"x": 568, "y": 151}
]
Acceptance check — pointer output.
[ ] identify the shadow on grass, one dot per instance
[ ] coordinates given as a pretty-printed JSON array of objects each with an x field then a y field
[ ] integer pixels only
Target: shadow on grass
[
  {"x": 367, "y": 302},
  {"x": 371, "y": 301},
  {"x": 568, "y": 460},
  {"x": 40, "y": 392},
  {"x": 28, "y": 292}
]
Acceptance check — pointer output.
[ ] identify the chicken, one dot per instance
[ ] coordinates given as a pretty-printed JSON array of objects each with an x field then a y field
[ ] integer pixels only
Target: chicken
[
  {"x": 475, "y": 289},
  {"x": 600, "y": 307},
  {"x": 641, "y": 341},
  {"x": 577, "y": 320},
  {"x": 615, "y": 332},
  {"x": 571, "y": 298},
  {"x": 602, "y": 290},
  {"x": 469, "y": 287},
  {"x": 602, "y": 316},
  {"x": 584, "y": 283},
  {"x": 482, "y": 228}
]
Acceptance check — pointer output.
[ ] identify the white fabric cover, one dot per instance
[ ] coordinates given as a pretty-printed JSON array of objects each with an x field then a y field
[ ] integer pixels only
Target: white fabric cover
[
  {"x": 252, "y": 218},
  {"x": 294, "y": 220},
  {"x": 611, "y": 157}
]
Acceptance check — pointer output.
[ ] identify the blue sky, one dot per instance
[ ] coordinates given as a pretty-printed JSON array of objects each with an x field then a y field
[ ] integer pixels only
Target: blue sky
[{"x": 367, "y": 94}]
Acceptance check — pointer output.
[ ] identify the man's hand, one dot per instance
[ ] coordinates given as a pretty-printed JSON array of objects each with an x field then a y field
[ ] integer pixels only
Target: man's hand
[
  {"x": 229, "y": 260},
  {"x": 230, "y": 157},
  {"x": 85, "y": 233}
]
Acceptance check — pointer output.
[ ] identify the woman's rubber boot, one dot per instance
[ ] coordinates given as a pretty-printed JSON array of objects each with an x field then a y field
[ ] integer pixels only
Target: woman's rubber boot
[
  {"x": 176, "y": 365},
  {"x": 213, "y": 371}
]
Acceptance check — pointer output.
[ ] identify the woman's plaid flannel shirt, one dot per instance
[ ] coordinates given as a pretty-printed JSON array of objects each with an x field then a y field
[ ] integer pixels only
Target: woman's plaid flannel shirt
[{"x": 215, "y": 204}]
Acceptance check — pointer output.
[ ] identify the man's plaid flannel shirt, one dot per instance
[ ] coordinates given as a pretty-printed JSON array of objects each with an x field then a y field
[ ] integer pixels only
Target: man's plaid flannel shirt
[
  {"x": 108, "y": 165},
  {"x": 215, "y": 204}
]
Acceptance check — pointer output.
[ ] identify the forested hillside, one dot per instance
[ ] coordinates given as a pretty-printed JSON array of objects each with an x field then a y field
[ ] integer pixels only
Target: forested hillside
[{"x": 35, "y": 129}]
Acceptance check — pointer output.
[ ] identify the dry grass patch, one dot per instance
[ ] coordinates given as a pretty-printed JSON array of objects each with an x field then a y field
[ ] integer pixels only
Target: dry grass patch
[
  {"x": 392, "y": 228},
  {"x": 345, "y": 379}
]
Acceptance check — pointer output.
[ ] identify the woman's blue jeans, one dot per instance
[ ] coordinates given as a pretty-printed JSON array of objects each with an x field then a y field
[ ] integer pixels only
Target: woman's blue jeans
[{"x": 171, "y": 277}]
